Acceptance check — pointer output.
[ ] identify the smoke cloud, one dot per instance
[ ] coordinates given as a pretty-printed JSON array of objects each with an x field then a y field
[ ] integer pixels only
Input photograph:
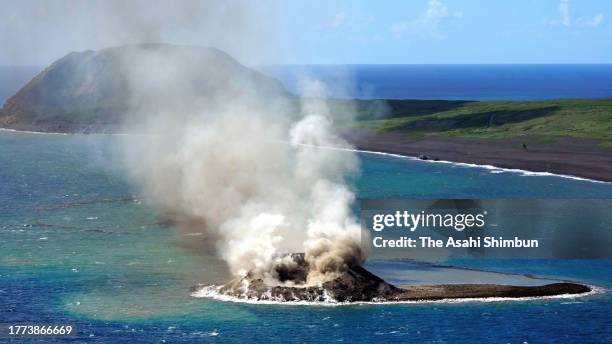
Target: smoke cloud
[
  {"x": 242, "y": 163},
  {"x": 39, "y": 32},
  {"x": 214, "y": 146}
]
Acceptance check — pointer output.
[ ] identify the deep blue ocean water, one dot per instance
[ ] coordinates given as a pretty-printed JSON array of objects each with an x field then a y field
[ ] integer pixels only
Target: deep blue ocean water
[
  {"x": 454, "y": 82},
  {"x": 451, "y": 82},
  {"x": 79, "y": 246}
]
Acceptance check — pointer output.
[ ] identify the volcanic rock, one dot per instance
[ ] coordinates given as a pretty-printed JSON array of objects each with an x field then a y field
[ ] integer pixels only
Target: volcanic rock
[{"x": 357, "y": 284}]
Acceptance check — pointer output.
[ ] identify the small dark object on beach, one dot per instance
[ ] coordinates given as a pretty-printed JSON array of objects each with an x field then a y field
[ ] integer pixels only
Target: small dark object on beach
[
  {"x": 423, "y": 157},
  {"x": 524, "y": 146}
]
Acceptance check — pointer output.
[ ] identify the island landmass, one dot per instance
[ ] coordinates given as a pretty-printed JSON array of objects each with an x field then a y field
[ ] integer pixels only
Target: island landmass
[
  {"x": 86, "y": 92},
  {"x": 357, "y": 284}
]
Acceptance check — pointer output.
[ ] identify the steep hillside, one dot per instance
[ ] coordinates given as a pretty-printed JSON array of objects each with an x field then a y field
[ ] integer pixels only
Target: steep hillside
[{"x": 93, "y": 91}]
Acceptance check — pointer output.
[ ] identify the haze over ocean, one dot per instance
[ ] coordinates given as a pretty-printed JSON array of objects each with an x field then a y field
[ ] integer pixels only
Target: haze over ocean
[{"x": 451, "y": 82}]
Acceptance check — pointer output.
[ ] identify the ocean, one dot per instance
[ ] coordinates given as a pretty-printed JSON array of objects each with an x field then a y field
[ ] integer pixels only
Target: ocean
[
  {"x": 449, "y": 82},
  {"x": 454, "y": 82},
  {"x": 79, "y": 245}
]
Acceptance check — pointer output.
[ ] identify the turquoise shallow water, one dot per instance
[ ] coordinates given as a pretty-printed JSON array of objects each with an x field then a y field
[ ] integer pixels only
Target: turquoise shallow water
[{"x": 79, "y": 245}]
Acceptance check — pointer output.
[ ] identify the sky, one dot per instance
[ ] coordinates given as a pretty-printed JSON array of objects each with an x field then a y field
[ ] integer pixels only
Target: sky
[
  {"x": 37, "y": 32},
  {"x": 450, "y": 31}
]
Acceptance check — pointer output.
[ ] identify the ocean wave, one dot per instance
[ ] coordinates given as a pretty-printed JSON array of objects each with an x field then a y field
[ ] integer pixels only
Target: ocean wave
[
  {"x": 491, "y": 168},
  {"x": 32, "y": 132},
  {"x": 54, "y": 133}
]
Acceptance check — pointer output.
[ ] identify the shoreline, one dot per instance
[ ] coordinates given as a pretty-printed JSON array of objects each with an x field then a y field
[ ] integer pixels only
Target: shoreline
[
  {"x": 356, "y": 284},
  {"x": 35, "y": 132},
  {"x": 572, "y": 158},
  {"x": 211, "y": 292},
  {"x": 492, "y": 169},
  {"x": 358, "y": 149}
]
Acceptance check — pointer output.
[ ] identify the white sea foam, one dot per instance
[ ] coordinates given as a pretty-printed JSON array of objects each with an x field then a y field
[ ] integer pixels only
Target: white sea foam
[
  {"x": 212, "y": 292},
  {"x": 53, "y": 133},
  {"x": 31, "y": 132},
  {"x": 491, "y": 168}
]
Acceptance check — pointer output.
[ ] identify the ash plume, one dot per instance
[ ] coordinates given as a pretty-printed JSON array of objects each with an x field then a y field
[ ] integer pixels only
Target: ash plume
[
  {"x": 244, "y": 163},
  {"x": 217, "y": 147},
  {"x": 43, "y": 31}
]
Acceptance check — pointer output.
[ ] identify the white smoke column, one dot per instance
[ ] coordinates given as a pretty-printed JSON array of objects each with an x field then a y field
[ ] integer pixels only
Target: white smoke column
[
  {"x": 212, "y": 148},
  {"x": 333, "y": 233},
  {"x": 248, "y": 168}
]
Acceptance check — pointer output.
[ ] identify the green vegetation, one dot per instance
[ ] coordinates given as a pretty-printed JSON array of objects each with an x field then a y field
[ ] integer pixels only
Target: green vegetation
[{"x": 546, "y": 120}]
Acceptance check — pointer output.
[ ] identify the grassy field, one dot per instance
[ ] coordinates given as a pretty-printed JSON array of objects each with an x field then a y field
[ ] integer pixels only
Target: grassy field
[{"x": 492, "y": 120}]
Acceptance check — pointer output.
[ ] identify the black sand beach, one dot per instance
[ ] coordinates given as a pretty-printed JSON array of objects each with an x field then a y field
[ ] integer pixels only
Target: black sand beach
[
  {"x": 582, "y": 158},
  {"x": 568, "y": 156}
]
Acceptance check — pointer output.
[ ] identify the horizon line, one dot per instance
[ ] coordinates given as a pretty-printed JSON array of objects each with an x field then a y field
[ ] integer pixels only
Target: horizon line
[
  {"x": 393, "y": 64},
  {"x": 441, "y": 64}
]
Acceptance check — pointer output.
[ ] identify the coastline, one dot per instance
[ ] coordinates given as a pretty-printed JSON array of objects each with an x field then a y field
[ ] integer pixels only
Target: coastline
[
  {"x": 211, "y": 292},
  {"x": 491, "y": 168},
  {"x": 363, "y": 147},
  {"x": 573, "y": 158},
  {"x": 33, "y": 132},
  {"x": 357, "y": 284}
]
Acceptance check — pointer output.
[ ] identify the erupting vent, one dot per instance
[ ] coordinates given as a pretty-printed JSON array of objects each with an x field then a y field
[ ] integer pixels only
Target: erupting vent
[{"x": 356, "y": 284}]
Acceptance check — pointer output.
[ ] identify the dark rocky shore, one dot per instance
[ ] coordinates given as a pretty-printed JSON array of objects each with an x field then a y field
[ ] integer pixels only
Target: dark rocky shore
[
  {"x": 569, "y": 156},
  {"x": 87, "y": 92},
  {"x": 357, "y": 284}
]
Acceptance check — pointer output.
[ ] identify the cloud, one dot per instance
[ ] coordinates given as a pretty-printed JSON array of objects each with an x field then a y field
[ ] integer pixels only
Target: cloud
[
  {"x": 593, "y": 22},
  {"x": 564, "y": 10},
  {"x": 37, "y": 33},
  {"x": 566, "y": 18},
  {"x": 343, "y": 20},
  {"x": 429, "y": 21},
  {"x": 338, "y": 19}
]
